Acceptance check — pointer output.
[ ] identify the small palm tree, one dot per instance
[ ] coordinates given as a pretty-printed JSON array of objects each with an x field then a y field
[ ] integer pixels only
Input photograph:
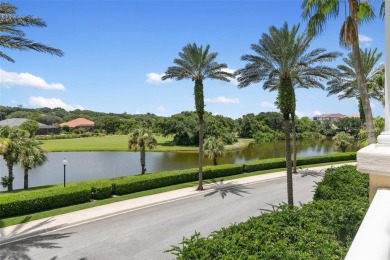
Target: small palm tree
[
  {"x": 213, "y": 148},
  {"x": 198, "y": 64},
  {"x": 343, "y": 140},
  {"x": 13, "y": 38},
  {"x": 318, "y": 12},
  {"x": 345, "y": 84},
  {"x": 139, "y": 140},
  {"x": 15, "y": 139},
  {"x": 31, "y": 155},
  {"x": 283, "y": 62}
]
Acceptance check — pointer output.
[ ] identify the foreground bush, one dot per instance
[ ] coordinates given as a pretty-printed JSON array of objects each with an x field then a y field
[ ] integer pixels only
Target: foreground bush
[{"x": 322, "y": 229}]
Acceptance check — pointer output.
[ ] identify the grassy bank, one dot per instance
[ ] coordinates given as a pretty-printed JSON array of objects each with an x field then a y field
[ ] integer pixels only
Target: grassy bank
[{"x": 119, "y": 143}]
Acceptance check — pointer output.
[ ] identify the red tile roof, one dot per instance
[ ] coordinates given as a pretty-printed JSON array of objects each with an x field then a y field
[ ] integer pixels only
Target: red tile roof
[{"x": 78, "y": 122}]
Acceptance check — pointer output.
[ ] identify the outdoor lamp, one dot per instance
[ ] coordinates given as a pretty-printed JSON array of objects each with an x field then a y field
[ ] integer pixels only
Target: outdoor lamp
[{"x": 64, "y": 162}]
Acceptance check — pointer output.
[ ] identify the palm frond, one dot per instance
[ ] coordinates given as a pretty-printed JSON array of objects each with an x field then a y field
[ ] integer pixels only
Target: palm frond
[{"x": 348, "y": 33}]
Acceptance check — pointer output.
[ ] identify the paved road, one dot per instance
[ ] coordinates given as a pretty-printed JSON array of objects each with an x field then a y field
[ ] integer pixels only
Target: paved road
[{"x": 148, "y": 232}]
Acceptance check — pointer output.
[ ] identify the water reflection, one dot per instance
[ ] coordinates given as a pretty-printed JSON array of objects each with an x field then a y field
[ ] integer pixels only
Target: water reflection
[{"x": 95, "y": 165}]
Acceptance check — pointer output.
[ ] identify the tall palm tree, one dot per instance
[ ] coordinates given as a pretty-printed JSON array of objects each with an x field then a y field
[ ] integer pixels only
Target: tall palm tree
[
  {"x": 198, "y": 64},
  {"x": 12, "y": 37},
  {"x": 31, "y": 155},
  {"x": 318, "y": 12},
  {"x": 15, "y": 140},
  {"x": 139, "y": 140},
  {"x": 345, "y": 83},
  {"x": 213, "y": 148},
  {"x": 283, "y": 62}
]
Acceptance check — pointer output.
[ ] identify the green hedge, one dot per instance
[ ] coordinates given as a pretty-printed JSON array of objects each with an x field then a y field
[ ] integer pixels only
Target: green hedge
[
  {"x": 268, "y": 164},
  {"x": 322, "y": 229},
  {"x": 24, "y": 202}
]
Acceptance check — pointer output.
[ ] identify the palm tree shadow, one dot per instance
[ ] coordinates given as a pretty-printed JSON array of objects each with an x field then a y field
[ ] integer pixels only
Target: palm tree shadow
[
  {"x": 312, "y": 173},
  {"x": 18, "y": 228},
  {"x": 224, "y": 188},
  {"x": 20, "y": 249}
]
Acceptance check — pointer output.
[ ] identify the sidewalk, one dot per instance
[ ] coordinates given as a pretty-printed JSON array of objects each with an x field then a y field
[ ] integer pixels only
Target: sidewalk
[{"x": 20, "y": 231}]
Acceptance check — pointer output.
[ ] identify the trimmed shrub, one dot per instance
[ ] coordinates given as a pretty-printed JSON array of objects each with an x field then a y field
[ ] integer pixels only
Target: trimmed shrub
[
  {"x": 211, "y": 172},
  {"x": 335, "y": 157},
  {"x": 266, "y": 164},
  {"x": 24, "y": 202},
  {"x": 101, "y": 189},
  {"x": 343, "y": 183}
]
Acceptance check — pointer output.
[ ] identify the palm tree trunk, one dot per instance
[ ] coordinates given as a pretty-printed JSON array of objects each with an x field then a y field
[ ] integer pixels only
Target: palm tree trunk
[
  {"x": 26, "y": 178},
  {"x": 215, "y": 162},
  {"x": 199, "y": 105},
  {"x": 361, "y": 111},
  {"x": 10, "y": 175},
  {"x": 142, "y": 153},
  {"x": 360, "y": 77},
  {"x": 290, "y": 195},
  {"x": 294, "y": 143}
]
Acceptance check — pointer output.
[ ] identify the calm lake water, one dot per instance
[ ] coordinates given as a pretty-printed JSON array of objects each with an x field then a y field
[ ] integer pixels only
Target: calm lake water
[{"x": 95, "y": 165}]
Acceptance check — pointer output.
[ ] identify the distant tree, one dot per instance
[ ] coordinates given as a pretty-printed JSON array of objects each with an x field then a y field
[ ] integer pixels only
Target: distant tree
[
  {"x": 348, "y": 125},
  {"x": 30, "y": 156},
  {"x": 139, "y": 140},
  {"x": 213, "y": 148},
  {"x": 198, "y": 64},
  {"x": 111, "y": 124},
  {"x": 13, "y": 38},
  {"x": 343, "y": 140},
  {"x": 30, "y": 126},
  {"x": 19, "y": 114}
]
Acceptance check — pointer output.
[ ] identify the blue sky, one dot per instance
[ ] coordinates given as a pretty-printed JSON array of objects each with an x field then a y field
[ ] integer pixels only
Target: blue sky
[{"x": 116, "y": 51}]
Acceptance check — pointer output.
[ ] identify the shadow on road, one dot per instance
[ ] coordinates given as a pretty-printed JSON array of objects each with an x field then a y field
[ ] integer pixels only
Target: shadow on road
[
  {"x": 20, "y": 249},
  {"x": 311, "y": 173},
  {"x": 224, "y": 188},
  {"x": 18, "y": 229}
]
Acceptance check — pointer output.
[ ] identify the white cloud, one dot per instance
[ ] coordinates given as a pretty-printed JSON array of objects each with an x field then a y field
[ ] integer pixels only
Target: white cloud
[
  {"x": 317, "y": 113},
  {"x": 155, "y": 78},
  {"x": 222, "y": 100},
  {"x": 373, "y": 105},
  {"x": 9, "y": 79},
  {"x": 266, "y": 104},
  {"x": 233, "y": 80},
  {"x": 301, "y": 114},
  {"x": 365, "y": 40},
  {"x": 52, "y": 103}
]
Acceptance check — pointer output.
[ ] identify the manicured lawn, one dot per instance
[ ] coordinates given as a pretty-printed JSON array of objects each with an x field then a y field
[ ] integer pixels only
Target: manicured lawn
[{"x": 119, "y": 143}]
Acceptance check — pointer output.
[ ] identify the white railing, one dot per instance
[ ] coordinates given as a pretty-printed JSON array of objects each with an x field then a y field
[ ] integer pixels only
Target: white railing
[{"x": 372, "y": 242}]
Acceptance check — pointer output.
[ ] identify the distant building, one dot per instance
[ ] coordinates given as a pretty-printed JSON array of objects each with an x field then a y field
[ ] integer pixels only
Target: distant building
[
  {"x": 333, "y": 116},
  {"x": 42, "y": 130},
  {"x": 79, "y": 123}
]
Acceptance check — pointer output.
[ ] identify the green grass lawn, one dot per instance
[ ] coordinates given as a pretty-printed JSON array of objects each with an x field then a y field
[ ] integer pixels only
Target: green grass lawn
[{"x": 119, "y": 143}]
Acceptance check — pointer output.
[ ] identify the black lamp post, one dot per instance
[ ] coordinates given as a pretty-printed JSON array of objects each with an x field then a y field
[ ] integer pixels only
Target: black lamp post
[{"x": 64, "y": 162}]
